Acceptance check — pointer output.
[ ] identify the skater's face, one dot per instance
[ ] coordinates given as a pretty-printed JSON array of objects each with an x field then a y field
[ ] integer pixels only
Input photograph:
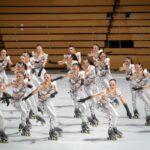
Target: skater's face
[
  {"x": 39, "y": 49},
  {"x": 20, "y": 67},
  {"x": 26, "y": 57},
  {"x": 71, "y": 50},
  {"x": 47, "y": 77},
  {"x": 3, "y": 53},
  {"x": 22, "y": 58},
  {"x": 95, "y": 48},
  {"x": 20, "y": 77},
  {"x": 112, "y": 84},
  {"x": 138, "y": 68},
  {"x": 85, "y": 64},
  {"x": 103, "y": 56},
  {"x": 75, "y": 68},
  {"x": 127, "y": 62}
]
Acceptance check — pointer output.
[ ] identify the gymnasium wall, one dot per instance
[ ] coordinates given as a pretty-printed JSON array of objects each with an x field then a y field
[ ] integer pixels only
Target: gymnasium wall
[{"x": 58, "y": 23}]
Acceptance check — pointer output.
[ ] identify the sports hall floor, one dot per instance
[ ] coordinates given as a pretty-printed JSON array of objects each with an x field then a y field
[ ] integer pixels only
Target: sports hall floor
[{"x": 136, "y": 136}]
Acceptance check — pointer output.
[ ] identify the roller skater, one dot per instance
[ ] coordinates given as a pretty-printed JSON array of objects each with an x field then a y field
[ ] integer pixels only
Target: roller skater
[{"x": 46, "y": 91}]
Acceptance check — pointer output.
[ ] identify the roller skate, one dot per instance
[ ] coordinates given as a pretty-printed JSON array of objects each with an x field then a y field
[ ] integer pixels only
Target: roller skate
[
  {"x": 129, "y": 115},
  {"x": 111, "y": 135},
  {"x": 53, "y": 135},
  {"x": 85, "y": 128},
  {"x": 147, "y": 121},
  {"x": 95, "y": 119},
  {"x": 136, "y": 114},
  {"x": 31, "y": 115},
  {"x": 40, "y": 110},
  {"x": 115, "y": 102},
  {"x": 92, "y": 121},
  {"x": 3, "y": 137},
  {"x": 117, "y": 132},
  {"x": 39, "y": 118},
  {"x": 77, "y": 113},
  {"x": 25, "y": 131},
  {"x": 59, "y": 131},
  {"x": 28, "y": 123},
  {"x": 20, "y": 127}
]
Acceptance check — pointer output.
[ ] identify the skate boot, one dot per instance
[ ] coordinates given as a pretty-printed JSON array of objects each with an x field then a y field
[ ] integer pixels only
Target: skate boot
[
  {"x": 136, "y": 114},
  {"x": 95, "y": 119},
  {"x": 129, "y": 115},
  {"x": 115, "y": 102},
  {"x": 59, "y": 131},
  {"x": 77, "y": 113},
  {"x": 28, "y": 123},
  {"x": 92, "y": 121},
  {"x": 3, "y": 137},
  {"x": 117, "y": 132},
  {"x": 111, "y": 135},
  {"x": 20, "y": 127},
  {"x": 39, "y": 118},
  {"x": 25, "y": 131},
  {"x": 85, "y": 128},
  {"x": 40, "y": 110},
  {"x": 31, "y": 115},
  {"x": 53, "y": 135},
  {"x": 147, "y": 121}
]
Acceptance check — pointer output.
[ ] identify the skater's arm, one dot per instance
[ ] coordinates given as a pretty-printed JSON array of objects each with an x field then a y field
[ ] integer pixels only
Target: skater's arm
[
  {"x": 146, "y": 86},
  {"x": 60, "y": 77},
  {"x": 33, "y": 92},
  {"x": 90, "y": 97}
]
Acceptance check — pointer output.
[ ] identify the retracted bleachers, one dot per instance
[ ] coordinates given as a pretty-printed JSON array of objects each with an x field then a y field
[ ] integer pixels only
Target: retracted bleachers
[
  {"x": 132, "y": 22},
  {"x": 56, "y": 24}
]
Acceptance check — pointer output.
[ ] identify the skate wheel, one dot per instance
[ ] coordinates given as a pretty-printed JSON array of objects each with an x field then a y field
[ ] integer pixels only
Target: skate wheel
[
  {"x": 53, "y": 139},
  {"x": 119, "y": 136},
  {"x": 43, "y": 124},
  {"x": 135, "y": 117},
  {"x": 59, "y": 134},
  {"x": 147, "y": 124},
  {"x": 111, "y": 139}
]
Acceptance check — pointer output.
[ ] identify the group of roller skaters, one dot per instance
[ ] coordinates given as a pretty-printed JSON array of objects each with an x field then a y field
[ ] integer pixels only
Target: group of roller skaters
[{"x": 91, "y": 86}]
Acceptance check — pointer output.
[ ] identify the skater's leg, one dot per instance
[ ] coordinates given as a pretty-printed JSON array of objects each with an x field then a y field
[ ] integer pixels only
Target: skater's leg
[
  {"x": 113, "y": 117},
  {"x": 77, "y": 112},
  {"x": 84, "y": 126},
  {"x": 53, "y": 135},
  {"x": 147, "y": 107}
]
